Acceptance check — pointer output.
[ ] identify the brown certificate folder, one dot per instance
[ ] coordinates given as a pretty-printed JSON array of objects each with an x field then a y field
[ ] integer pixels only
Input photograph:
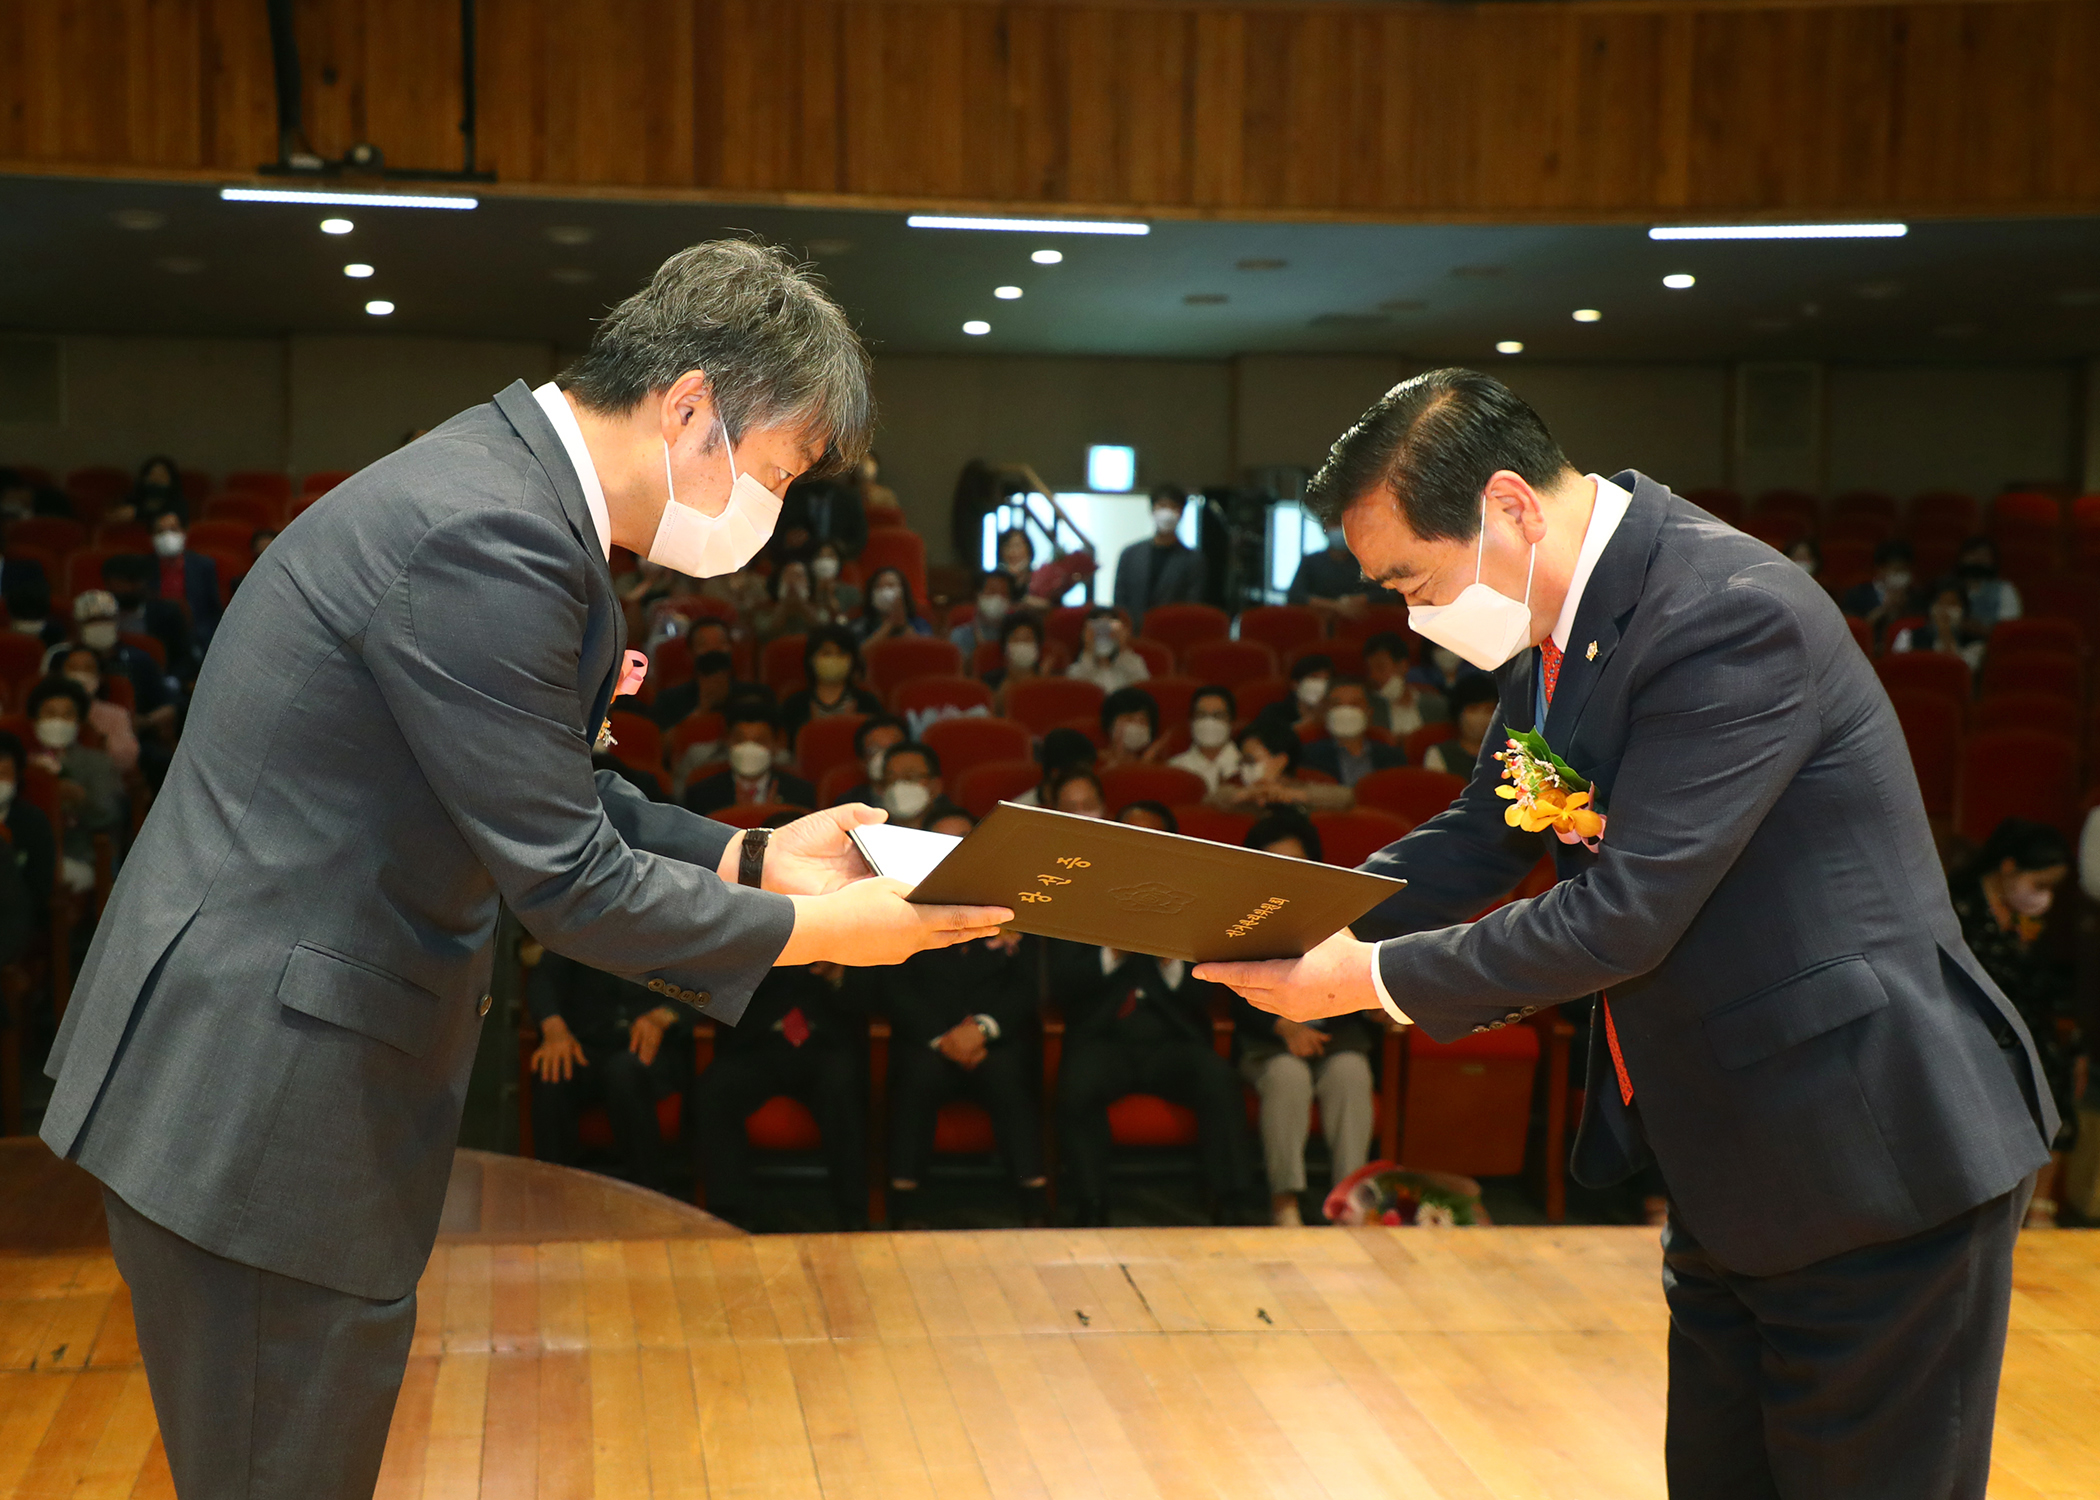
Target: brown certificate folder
[{"x": 1133, "y": 889}]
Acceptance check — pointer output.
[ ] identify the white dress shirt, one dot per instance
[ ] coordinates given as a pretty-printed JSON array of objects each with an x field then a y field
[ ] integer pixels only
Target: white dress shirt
[
  {"x": 556, "y": 406},
  {"x": 1606, "y": 513}
]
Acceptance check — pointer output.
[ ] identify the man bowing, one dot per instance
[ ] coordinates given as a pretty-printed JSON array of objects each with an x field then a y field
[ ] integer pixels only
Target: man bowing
[{"x": 1842, "y": 1105}]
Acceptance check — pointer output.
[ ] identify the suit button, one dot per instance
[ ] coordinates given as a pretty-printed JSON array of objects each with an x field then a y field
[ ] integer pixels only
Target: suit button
[
  {"x": 486, "y": 1002},
  {"x": 1480, "y": 1028},
  {"x": 657, "y": 985},
  {"x": 700, "y": 997}
]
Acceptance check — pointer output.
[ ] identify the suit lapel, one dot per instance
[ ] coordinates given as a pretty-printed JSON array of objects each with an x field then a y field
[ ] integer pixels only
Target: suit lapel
[{"x": 1614, "y": 588}]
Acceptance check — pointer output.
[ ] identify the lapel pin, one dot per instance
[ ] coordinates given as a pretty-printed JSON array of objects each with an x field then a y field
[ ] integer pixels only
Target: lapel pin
[{"x": 1591, "y": 654}]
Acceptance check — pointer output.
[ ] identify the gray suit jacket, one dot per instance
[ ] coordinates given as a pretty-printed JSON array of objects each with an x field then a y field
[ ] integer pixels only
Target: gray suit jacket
[
  {"x": 1818, "y": 1061},
  {"x": 1180, "y": 579},
  {"x": 268, "y": 1047}
]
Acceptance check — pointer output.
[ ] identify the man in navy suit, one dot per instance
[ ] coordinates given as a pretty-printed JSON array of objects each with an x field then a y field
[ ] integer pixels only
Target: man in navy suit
[
  {"x": 186, "y": 578},
  {"x": 1841, "y": 1103}
]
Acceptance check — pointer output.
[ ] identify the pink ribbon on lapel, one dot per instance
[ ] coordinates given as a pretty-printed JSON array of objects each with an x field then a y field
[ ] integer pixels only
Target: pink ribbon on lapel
[{"x": 632, "y": 670}]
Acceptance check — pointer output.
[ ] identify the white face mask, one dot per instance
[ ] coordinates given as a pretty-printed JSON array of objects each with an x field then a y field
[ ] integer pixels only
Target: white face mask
[
  {"x": 2029, "y": 900},
  {"x": 1311, "y": 690},
  {"x": 887, "y": 597},
  {"x": 7, "y": 796},
  {"x": 825, "y": 568},
  {"x": 1165, "y": 521},
  {"x": 750, "y": 760},
  {"x": 1347, "y": 721},
  {"x": 1133, "y": 736},
  {"x": 991, "y": 608},
  {"x": 1393, "y": 689},
  {"x": 1210, "y": 731},
  {"x": 99, "y": 635},
  {"x": 169, "y": 543},
  {"x": 702, "y": 546},
  {"x": 1483, "y": 625},
  {"x": 1023, "y": 654},
  {"x": 1253, "y": 772},
  {"x": 906, "y": 799},
  {"x": 56, "y": 734},
  {"x": 873, "y": 766},
  {"x": 1897, "y": 582},
  {"x": 1104, "y": 639}
]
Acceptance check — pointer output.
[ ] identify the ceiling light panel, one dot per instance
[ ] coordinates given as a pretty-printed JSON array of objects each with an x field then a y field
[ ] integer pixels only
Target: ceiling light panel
[
  {"x": 1779, "y": 232},
  {"x": 1030, "y": 226},
  {"x": 347, "y": 200}
]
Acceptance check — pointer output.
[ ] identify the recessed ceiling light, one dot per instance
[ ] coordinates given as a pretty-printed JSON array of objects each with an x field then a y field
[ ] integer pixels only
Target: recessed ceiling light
[
  {"x": 1510, "y": 346},
  {"x": 139, "y": 219},
  {"x": 1779, "y": 232},
  {"x": 1029, "y": 226},
  {"x": 348, "y": 200},
  {"x": 1047, "y": 257},
  {"x": 976, "y": 327},
  {"x": 1006, "y": 293},
  {"x": 357, "y": 270},
  {"x": 379, "y": 309},
  {"x": 1588, "y": 315},
  {"x": 1678, "y": 281},
  {"x": 336, "y": 226},
  {"x": 570, "y": 234}
]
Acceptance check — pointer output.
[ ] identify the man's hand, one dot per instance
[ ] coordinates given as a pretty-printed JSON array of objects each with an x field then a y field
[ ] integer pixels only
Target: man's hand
[
  {"x": 1332, "y": 980},
  {"x": 1303, "y": 1040},
  {"x": 646, "y": 1035},
  {"x": 869, "y": 923},
  {"x": 963, "y": 1043},
  {"x": 559, "y": 1053},
  {"x": 811, "y": 856}
]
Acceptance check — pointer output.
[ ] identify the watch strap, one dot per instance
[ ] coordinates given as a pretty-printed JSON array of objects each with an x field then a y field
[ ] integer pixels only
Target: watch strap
[{"x": 751, "y": 861}]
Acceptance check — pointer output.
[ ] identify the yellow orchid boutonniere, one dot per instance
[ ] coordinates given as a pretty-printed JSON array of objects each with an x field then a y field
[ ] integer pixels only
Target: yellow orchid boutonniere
[{"x": 1545, "y": 792}]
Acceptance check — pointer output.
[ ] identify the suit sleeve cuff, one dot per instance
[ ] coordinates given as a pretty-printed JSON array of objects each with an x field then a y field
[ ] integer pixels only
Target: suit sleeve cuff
[
  {"x": 1378, "y": 983},
  {"x": 991, "y": 1027}
]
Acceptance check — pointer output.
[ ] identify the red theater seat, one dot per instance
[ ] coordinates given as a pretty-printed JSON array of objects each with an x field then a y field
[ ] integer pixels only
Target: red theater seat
[
  {"x": 1925, "y": 672},
  {"x": 270, "y": 482},
  {"x": 1377, "y": 619},
  {"x": 2016, "y": 773},
  {"x": 1180, "y": 626},
  {"x": 783, "y": 1124},
  {"x": 1200, "y": 821},
  {"x": 219, "y": 536},
  {"x": 975, "y": 741},
  {"x": 1281, "y": 627},
  {"x": 1413, "y": 794},
  {"x": 824, "y": 743},
  {"x": 1173, "y": 695},
  {"x": 895, "y": 547},
  {"x": 1148, "y": 1120},
  {"x": 637, "y": 741},
  {"x": 903, "y": 658},
  {"x": 1350, "y": 838},
  {"x": 757, "y": 813},
  {"x": 2056, "y": 672},
  {"x": 1043, "y": 703},
  {"x": 124, "y": 536},
  {"x": 981, "y": 788},
  {"x": 1931, "y": 725},
  {"x": 925, "y": 694},
  {"x": 2051, "y": 712},
  {"x": 1468, "y": 1103},
  {"x": 59, "y": 534},
  {"x": 1255, "y": 695},
  {"x": 1158, "y": 655},
  {"x": 780, "y": 664},
  {"x": 1347, "y": 657},
  {"x": 1229, "y": 662},
  {"x": 1123, "y": 785},
  {"x": 963, "y": 1129},
  {"x": 244, "y": 506},
  {"x": 2058, "y": 634}
]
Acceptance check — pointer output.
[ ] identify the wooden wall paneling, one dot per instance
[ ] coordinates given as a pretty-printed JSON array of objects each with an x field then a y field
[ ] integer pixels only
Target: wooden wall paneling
[{"x": 1217, "y": 133}]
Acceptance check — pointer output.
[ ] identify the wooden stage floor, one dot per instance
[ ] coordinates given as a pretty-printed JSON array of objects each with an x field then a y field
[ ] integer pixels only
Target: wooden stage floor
[{"x": 577, "y": 1339}]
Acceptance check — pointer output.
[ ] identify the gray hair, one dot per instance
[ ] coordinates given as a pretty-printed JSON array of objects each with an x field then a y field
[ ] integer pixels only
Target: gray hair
[{"x": 777, "y": 351}]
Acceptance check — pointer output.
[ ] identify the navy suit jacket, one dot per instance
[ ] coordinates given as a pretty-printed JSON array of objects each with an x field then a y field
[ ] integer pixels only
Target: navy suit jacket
[{"x": 1818, "y": 1061}]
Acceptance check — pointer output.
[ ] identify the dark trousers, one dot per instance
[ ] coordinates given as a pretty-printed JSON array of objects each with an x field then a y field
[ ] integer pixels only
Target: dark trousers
[
  {"x": 921, "y": 1081},
  {"x": 265, "y": 1387},
  {"x": 830, "y": 1081},
  {"x": 616, "y": 1079},
  {"x": 1095, "y": 1074},
  {"x": 1873, "y": 1373}
]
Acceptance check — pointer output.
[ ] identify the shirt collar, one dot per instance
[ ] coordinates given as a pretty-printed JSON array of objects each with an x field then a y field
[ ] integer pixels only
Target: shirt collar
[
  {"x": 1605, "y": 517},
  {"x": 556, "y": 406}
]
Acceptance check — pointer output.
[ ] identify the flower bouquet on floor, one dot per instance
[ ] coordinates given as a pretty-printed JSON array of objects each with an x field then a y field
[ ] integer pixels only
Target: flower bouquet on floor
[{"x": 1383, "y": 1192}]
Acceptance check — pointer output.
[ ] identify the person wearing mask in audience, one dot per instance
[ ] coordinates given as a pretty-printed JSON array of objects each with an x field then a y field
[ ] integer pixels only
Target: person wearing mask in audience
[
  {"x": 1292, "y": 1063},
  {"x": 1149, "y": 814},
  {"x": 877, "y": 736},
  {"x": 1130, "y": 723},
  {"x": 752, "y": 740},
  {"x": 792, "y": 610},
  {"x": 1947, "y": 628},
  {"x": 1348, "y": 753},
  {"x": 821, "y": 510},
  {"x": 1059, "y": 753},
  {"x": 995, "y": 598},
  {"x": 17, "y": 495},
  {"x": 1105, "y": 658},
  {"x": 1160, "y": 569},
  {"x": 90, "y": 793},
  {"x": 1310, "y": 675},
  {"x": 133, "y": 581},
  {"x": 714, "y": 681},
  {"x": 1887, "y": 595},
  {"x": 1990, "y": 597},
  {"x": 1020, "y": 656},
  {"x": 1211, "y": 753},
  {"x": 110, "y": 722},
  {"x": 156, "y": 492},
  {"x": 830, "y": 673},
  {"x": 2002, "y": 897},
  {"x": 805, "y": 1034},
  {"x": 1473, "y": 702},
  {"x": 1331, "y": 582},
  {"x": 28, "y": 598},
  {"x": 1269, "y": 752},
  {"x": 1078, "y": 792},
  {"x": 1016, "y": 555},
  {"x": 837, "y": 599},
  {"x": 95, "y": 626},
  {"x": 31, "y": 840},
  {"x": 187, "y": 579},
  {"x": 1136, "y": 1024},
  {"x": 605, "y": 1040},
  {"x": 911, "y": 785},
  {"x": 1807, "y": 556},
  {"x": 890, "y": 612},
  {"x": 1398, "y": 705}
]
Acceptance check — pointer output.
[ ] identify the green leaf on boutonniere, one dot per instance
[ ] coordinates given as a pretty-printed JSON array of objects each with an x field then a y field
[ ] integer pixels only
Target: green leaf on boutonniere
[{"x": 1534, "y": 744}]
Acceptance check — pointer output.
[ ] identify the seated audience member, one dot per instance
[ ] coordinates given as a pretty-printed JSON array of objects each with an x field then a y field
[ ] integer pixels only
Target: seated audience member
[
  {"x": 963, "y": 1025},
  {"x": 153, "y": 702},
  {"x": 1160, "y": 569},
  {"x": 878, "y": 502},
  {"x": 791, "y": 610},
  {"x": 1020, "y": 656},
  {"x": 1269, "y": 758},
  {"x": 805, "y": 1035},
  {"x": 28, "y": 598},
  {"x": 839, "y": 600},
  {"x": 1135, "y": 1024},
  {"x": 1016, "y": 556},
  {"x": 1991, "y": 598},
  {"x": 1060, "y": 752},
  {"x": 752, "y": 741},
  {"x": 1211, "y": 753},
  {"x": 1947, "y": 628},
  {"x": 911, "y": 784},
  {"x": 1292, "y": 1063},
  {"x": 714, "y": 681},
  {"x": 111, "y": 722},
  {"x": 831, "y": 674},
  {"x": 1887, "y": 595},
  {"x": 1806, "y": 555},
  {"x": 1149, "y": 814},
  {"x": 874, "y": 739},
  {"x": 1104, "y": 657},
  {"x": 157, "y": 491},
  {"x": 1130, "y": 721},
  {"x": 1440, "y": 670},
  {"x": 1309, "y": 678},
  {"x": 1348, "y": 753},
  {"x": 995, "y": 599},
  {"x": 891, "y": 611},
  {"x": 820, "y": 510},
  {"x": 31, "y": 843},
  {"x": 1398, "y": 705},
  {"x": 604, "y": 1040},
  {"x": 130, "y": 580},
  {"x": 259, "y": 543},
  {"x": 17, "y": 495},
  {"x": 2001, "y": 898},
  {"x": 1078, "y": 792},
  {"x": 1473, "y": 703},
  {"x": 90, "y": 793},
  {"x": 1331, "y": 581},
  {"x": 186, "y": 579}
]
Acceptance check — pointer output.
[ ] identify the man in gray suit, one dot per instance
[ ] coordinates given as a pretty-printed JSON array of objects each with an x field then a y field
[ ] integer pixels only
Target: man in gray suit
[
  {"x": 1842, "y": 1105},
  {"x": 1159, "y": 570},
  {"x": 267, "y": 1050}
]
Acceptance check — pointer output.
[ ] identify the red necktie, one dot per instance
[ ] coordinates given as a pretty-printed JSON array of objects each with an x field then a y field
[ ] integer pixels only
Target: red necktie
[
  {"x": 795, "y": 1027},
  {"x": 1549, "y": 672}
]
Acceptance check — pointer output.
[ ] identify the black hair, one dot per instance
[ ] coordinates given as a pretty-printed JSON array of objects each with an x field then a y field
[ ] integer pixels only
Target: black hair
[
  {"x": 701, "y": 622},
  {"x": 1021, "y": 621},
  {"x": 1076, "y": 773},
  {"x": 57, "y": 686},
  {"x": 1435, "y": 441},
  {"x": 830, "y": 635},
  {"x": 1285, "y": 822},
  {"x": 1895, "y": 549},
  {"x": 1305, "y": 666},
  {"x": 11, "y": 748},
  {"x": 1346, "y": 679},
  {"x": 800, "y": 559},
  {"x": 869, "y": 725},
  {"x": 707, "y": 663},
  {"x": 1004, "y": 580},
  {"x": 1391, "y": 642},
  {"x": 1978, "y": 568},
  {"x": 1062, "y": 749},
  {"x": 1475, "y": 687},
  {"x": 1216, "y": 690},
  {"x": 1129, "y": 700},
  {"x": 1276, "y": 738},
  {"x": 999, "y": 546},
  {"x": 912, "y": 747},
  {"x": 749, "y": 710},
  {"x": 1169, "y": 492},
  {"x": 29, "y": 592},
  {"x": 1159, "y": 810},
  {"x": 2028, "y": 844},
  {"x": 1097, "y": 611},
  {"x": 126, "y": 567},
  {"x": 867, "y": 608}
]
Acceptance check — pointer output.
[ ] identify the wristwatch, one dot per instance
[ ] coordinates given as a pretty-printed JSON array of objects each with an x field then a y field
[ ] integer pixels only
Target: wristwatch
[{"x": 751, "y": 863}]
